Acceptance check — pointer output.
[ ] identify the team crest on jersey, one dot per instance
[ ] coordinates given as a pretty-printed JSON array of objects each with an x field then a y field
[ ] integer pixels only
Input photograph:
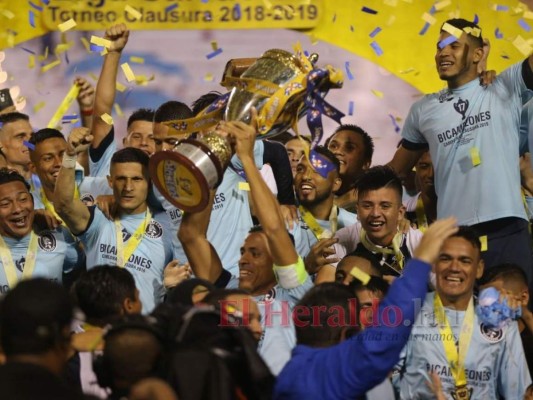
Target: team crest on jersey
[
  {"x": 491, "y": 335},
  {"x": 47, "y": 241},
  {"x": 154, "y": 230},
  {"x": 125, "y": 235},
  {"x": 461, "y": 107},
  {"x": 87, "y": 199}
]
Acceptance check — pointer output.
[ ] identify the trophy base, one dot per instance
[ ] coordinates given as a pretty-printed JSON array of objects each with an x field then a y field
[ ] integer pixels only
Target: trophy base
[{"x": 185, "y": 174}]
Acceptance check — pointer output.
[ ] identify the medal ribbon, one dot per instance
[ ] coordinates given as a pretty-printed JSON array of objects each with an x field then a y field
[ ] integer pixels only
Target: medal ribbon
[
  {"x": 396, "y": 244},
  {"x": 455, "y": 355},
  {"x": 50, "y": 207},
  {"x": 317, "y": 230},
  {"x": 421, "y": 218},
  {"x": 9, "y": 266},
  {"x": 124, "y": 254}
]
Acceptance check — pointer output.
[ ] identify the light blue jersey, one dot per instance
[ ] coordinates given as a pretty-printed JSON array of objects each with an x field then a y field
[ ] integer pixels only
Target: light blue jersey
[
  {"x": 495, "y": 364},
  {"x": 51, "y": 260},
  {"x": 147, "y": 262},
  {"x": 457, "y": 123},
  {"x": 100, "y": 159},
  {"x": 276, "y": 307},
  {"x": 304, "y": 238}
]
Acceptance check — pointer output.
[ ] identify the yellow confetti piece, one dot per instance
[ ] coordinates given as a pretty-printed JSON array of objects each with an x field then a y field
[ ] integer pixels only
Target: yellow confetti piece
[
  {"x": 8, "y": 14},
  {"x": 130, "y": 76},
  {"x": 208, "y": 77},
  {"x": 244, "y": 186},
  {"x": 522, "y": 46},
  {"x": 361, "y": 275},
  {"x": 408, "y": 1},
  {"x": 484, "y": 244},
  {"x": 391, "y": 20},
  {"x": 442, "y": 4},
  {"x": 103, "y": 52},
  {"x": 407, "y": 71},
  {"x": 86, "y": 44},
  {"x": 38, "y": 106},
  {"x": 64, "y": 106},
  {"x": 473, "y": 31},
  {"x": 137, "y": 60},
  {"x": 392, "y": 3},
  {"x": 430, "y": 19},
  {"x": 455, "y": 14},
  {"x": 268, "y": 4},
  {"x": 67, "y": 25},
  {"x": 45, "y": 55},
  {"x": 214, "y": 45},
  {"x": 377, "y": 93},
  {"x": 107, "y": 118},
  {"x": 474, "y": 155},
  {"x": 62, "y": 47},
  {"x": 143, "y": 79},
  {"x": 313, "y": 39},
  {"x": 120, "y": 87},
  {"x": 48, "y": 67},
  {"x": 100, "y": 41},
  {"x": 93, "y": 76},
  {"x": 452, "y": 30},
  {"x": 118, "y": 110},
  {"x": 133, "y": 12},
  {"x": 31, "y": 61},
  {"x": 528, "y": 15}
]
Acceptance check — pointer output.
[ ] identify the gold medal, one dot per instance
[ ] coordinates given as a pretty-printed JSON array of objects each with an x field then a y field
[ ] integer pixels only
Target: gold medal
[{"x": 462, "y": 393}]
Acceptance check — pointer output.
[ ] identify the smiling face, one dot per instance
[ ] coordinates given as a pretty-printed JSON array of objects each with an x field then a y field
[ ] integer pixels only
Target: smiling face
[
  {"x": 458, "y": 266},
  {"x": 255, "y": 265},
  {"x": 140, "y": 136},
  {"x": 379, "y": 212},
  {"x": 349, "y": 148},
  {"x": 46, "y": 160},
  {"x": 16, "y": 210},
  {"x": 12, "y": 136},
  {"x": 311, "y": 188},
  {"x": 457, "y": 62},
  {"x": 130, "y": 186}
]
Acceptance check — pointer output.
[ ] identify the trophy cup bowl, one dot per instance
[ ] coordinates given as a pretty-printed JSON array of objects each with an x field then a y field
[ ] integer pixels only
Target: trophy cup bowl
[{"x": 185, "y": 174}]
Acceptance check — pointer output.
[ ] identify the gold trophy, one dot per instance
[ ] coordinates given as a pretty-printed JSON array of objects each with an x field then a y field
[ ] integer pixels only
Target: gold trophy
[{"x": 274, "y": 84}]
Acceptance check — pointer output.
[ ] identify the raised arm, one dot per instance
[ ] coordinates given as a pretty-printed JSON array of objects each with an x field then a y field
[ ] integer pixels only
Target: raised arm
[
  {"x": 106, "y": 89},
  {"x": 192, "y": 234},
  {"x": 405, "y": 159},
  {"x": 264, "y": 203},
  {"x": 70, "y": 208},
  {"x": 86, "y": 103}
]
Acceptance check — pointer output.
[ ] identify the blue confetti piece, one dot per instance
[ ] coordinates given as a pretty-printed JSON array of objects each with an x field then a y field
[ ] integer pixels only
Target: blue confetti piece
[
  {"x": 1, "y": 125},
  {"x": 46, "y": 2},
  {"x": 476, "y": 19},
  {"x": 376, "y": 48},
  {"x": 96, "y": 48},
  {"x": 306, "y": 53},
  {"x": 502, "y": 8},
  {"x": 351, "y": 107},
  {"x": 28, "y": 50},
  {"x": 205, "y": 1},
  {"x": 237, "y": 12},
  {"x": 171, "y": 7},
  {"x": 445, "y": 42},
  {"x": 348, "y": 72},
  {"x": 525, "y": 26},
  {"x": 432, "y": 10},
  {"x": 38, "y": 8},
  {"x": 394, "y": 123},
  {"x": 424, "y": 29},
  {"x": 66, "y": 58},
  {"x": 70, "y": 117},
  {"x": 214, "y": 53},
  {"x": 32, "y": 19},
  {"x": 77, "y": 124},
  {"x": 369, "y": 10},
  {"x": 28, "y": 145},
  {"x": 498, "y": 34},
  {"x": 375, "y": 32}
]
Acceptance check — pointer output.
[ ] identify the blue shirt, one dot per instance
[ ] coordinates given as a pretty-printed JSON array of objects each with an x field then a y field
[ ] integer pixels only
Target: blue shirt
[
  {"x": 148, "y": 260},
  {"x": 455, "y": 122},
  {"x": 351, "y": 368},
  {"x": 495, "y": 363}
]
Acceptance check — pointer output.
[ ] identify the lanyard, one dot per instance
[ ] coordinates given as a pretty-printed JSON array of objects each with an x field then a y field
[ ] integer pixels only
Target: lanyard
[
  {"x": 50, "y": 207},
  {"x": 396, "y": 244},
  {"x": 421, "y": 218},
  {"x": 124, "y": 254},
  {"x": 317, "y": 230},
  {"x": 455, "y": 355},
  {"x": 9, "y": 266}
]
